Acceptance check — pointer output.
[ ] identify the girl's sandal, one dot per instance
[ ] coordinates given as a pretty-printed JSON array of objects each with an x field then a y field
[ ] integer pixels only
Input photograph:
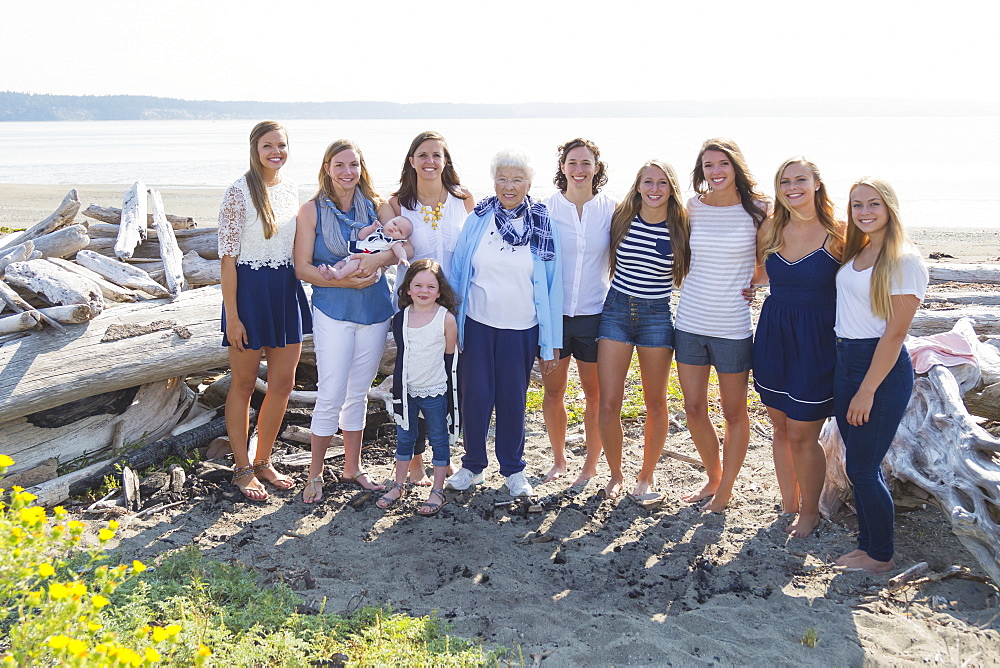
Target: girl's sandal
[
  {"x": 385, "y": 502},
  {"x": 313, "y": 492},
  {"x": 356, "y": 480},
  {"x": 279, "y": 480},
  {"x": 247, "y": 491},
  {"x": 434, "y": 508}
]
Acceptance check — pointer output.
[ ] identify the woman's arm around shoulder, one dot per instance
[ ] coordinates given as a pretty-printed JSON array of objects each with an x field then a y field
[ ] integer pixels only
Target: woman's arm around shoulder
[{"x": 470, "y": 201}]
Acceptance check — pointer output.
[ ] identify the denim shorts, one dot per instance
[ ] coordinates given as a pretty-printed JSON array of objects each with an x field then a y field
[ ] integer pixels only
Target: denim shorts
[
  {"x": 637, "y": 321},
  {"x": 580, "y": 337},
  {"x": 726, "y": 355}
]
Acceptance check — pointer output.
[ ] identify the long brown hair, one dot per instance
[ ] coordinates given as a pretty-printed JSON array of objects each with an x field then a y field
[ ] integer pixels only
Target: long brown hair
[
  {"x": 754, "y": 202},
  {"x": 364, "y": 178},
  {"x": 887, "y": 262},
  {"x": 774, "y": 239},
  {"x": 600, "y": 168},
  {"x": 446, "y": 295},
  {"x": 407, "y": 193},
  {"x": 255, "y": 178},
  {"x": 677, "y": 221}
]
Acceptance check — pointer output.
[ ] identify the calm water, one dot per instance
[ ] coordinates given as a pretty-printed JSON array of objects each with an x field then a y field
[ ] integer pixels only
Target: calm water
[{"x": 938, "y": 165}]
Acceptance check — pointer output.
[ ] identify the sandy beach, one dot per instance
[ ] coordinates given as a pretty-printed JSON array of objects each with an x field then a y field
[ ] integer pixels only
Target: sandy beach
[
  {"x": 588, "y": 581},
  {"x": 23, "y": 205}
]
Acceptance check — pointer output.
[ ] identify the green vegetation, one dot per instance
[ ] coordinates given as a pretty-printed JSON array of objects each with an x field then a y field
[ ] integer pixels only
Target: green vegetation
[
  {"x": 8, "y": 230},
  {"x": 64, "y": 607}
]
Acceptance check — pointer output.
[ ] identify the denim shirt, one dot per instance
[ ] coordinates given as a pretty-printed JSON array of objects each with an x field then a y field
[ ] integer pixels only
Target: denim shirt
[
  {"x": 546, "y": 284},
  {"x": 362, "y": 306}
]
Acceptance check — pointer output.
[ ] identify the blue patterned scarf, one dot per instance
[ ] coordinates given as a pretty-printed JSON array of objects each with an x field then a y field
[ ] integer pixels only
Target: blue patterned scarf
[
  {"x": 364, "y": 211},
  {"x": 537, "y": 228}
]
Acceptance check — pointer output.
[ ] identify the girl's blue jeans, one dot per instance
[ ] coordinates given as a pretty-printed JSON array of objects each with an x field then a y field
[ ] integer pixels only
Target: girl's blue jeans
[
  {"x": 435, "y": 410},
  {"x": 867, "y": 445}
]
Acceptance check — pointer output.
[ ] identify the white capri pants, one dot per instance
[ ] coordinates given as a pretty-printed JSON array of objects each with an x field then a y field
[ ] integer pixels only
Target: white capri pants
[{"x": 347, "y": 358}]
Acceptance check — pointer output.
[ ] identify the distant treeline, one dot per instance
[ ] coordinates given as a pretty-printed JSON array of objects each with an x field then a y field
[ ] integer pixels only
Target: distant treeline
[{"x": 32, "y": 107}]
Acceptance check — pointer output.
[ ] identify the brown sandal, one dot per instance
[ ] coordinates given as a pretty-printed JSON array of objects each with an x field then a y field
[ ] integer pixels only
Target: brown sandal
[
  {"x": 280, "y": 480},
  {"x": 385, "y": 502},
  {"x": 315, "y": 484}
]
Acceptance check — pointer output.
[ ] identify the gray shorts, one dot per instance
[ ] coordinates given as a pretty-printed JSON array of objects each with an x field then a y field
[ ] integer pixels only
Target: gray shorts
[{"x": 726, "y": 355}]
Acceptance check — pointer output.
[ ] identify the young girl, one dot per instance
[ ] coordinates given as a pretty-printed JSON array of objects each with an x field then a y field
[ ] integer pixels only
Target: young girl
[
  {"x": 265, "y": 311},
  {"x": 648, "y": 256},
  {"x": 713, "y": 318},
  {"x": 423, "y": 381},
  {"x": 794, "y": 348},
  {"x": 879, "y": 288}
]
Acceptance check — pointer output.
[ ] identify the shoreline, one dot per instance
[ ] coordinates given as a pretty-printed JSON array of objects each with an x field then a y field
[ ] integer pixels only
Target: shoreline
[{"x": 23, "y": 205}]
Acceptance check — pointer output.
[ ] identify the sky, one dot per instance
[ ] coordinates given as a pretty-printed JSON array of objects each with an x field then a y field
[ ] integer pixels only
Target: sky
[{"x": 504, "y": 51}]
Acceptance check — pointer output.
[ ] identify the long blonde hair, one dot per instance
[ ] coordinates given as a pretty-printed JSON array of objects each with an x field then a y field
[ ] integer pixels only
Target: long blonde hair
[
  {"x": 774, "y": 238},
  {"x": 255, "y": 178},
  {"x": 677, "y": 221},
  {"x": 364, "y": 178},
  {"x": 887, "y": 262}
]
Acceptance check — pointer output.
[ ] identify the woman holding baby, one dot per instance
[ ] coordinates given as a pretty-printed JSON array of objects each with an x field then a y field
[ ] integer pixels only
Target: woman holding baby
[{"x": 351, "y": 313}]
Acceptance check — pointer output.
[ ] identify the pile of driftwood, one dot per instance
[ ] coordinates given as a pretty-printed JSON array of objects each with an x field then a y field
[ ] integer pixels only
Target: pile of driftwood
[{"x": 106, "y": 327}]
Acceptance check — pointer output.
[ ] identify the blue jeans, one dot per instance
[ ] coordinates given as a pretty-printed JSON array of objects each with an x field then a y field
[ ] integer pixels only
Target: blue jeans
[
  {"x": 646, "y": 323},
  {"x": 435, "y": 410},
  {"x": 867, "y": 445}
]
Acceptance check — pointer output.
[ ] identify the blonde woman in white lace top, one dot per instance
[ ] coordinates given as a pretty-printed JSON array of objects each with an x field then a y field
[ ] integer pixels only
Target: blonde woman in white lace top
[{"x": 265, "y": 311}]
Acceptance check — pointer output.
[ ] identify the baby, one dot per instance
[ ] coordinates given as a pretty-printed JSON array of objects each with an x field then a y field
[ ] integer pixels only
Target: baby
[{"x": 372, "y": 239}]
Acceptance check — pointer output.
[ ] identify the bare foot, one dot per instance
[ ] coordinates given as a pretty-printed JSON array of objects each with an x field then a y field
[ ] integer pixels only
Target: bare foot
[
  {"x": 416, "y": 475},
  {"x": 248, "y": 484},
  {"x": 583, "y": 478},
  {"x": 703, "y": 493},
  {"x": 803, "y": 525},
  {"x": 844, "y": 558},
  {"x": 556, "y": 471},
  {"x": 870, "y": 565},
  {"x": 360, "y": 479},
  {"x": 613, "y": 489},
  {"x": 716, "y": 504},
  {"x": 313, "y": 491},
  {"x": 643, "y": 487}
]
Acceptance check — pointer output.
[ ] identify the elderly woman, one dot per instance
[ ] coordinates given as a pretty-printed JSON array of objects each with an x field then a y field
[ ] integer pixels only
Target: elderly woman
[{"x": 507, "y": 273}]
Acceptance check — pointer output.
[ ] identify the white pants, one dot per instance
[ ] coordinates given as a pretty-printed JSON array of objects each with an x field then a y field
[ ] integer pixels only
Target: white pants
[{"x": 347, "y": 358}]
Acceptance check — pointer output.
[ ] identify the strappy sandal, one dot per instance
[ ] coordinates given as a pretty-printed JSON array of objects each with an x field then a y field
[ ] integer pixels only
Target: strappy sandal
[
  {"x": 435, "y": 508},
  {"x": 279, "y": 480},
  {"x": 354, "y": 479},
  {"x": 385, "y": 502},
  {"x": 251, "y": 494},
  {"x": 316, "y": 485}
]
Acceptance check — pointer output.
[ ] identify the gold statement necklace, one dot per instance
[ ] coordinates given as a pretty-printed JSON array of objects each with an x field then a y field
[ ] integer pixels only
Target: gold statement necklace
[{"x": 433, "y": 214}]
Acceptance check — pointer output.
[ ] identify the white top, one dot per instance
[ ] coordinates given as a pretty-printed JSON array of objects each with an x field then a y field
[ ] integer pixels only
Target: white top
[
  {"x": 855, "y": 319},
  {"x": 723, "y": 256},
  {"x": 241, "y": 234},
  {"x": 584, "y": 244},
  {"x": 423, "y": 364},
  {"x": 375, "y": 242},
  {"x": 501, "y": 292},
  {"x": 439, "y": 243}
]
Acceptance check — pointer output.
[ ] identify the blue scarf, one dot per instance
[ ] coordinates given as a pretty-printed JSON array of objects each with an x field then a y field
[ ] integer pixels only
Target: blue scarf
[{"x": 537, "y": 228}]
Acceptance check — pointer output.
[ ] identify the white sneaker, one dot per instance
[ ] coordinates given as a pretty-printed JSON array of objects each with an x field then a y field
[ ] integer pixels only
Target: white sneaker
[
  {"x": 464, "y": 479},
  {"x": 518, "y": 485}
]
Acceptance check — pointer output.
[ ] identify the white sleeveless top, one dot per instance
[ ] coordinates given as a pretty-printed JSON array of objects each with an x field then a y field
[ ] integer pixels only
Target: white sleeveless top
[
  {"x": 241, "y": 234},
  {"x": 439, "y": 243},
  {"x": 423, "y": 361}
]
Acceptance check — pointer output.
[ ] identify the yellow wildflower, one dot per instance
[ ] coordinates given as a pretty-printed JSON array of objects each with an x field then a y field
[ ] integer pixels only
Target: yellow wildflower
[
  {"x": 58, "y": 590},
  {"x": 173, "y": 629},
  {"x": 99, "y": 601},
  {"x": 5, "y": 461},
  {"x": 46, "y": 570},
  {"x": 58, "y": 511},
  {"x": 138, "y": 567},
  {"x": 204, "y": 651},
  {"x": 152, "y": 655},
  {"x": 159, "y": 634},
  {"x": 58, "y": 642},
  {"x": 78, "y": 589},
  {"x": 76, "y": 526},
  {"x": 77, "y": 648},
  {"x": 105, "y": 535},
  {"x": 32, "y": 515}
]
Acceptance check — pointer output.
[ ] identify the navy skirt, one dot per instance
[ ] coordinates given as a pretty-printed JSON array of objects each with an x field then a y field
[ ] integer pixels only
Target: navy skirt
[{"x": 272, "y": 306}]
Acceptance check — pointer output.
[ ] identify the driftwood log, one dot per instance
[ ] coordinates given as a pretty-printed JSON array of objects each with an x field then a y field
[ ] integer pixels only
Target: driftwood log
[
  {"x": 964, "y": 298},
  {"x": 941, "y": 449},
  {"x": 87, "y": 427},
  {"x": 132, "y": 230},
  {"x": 197, "y": 270},
  {"x": 180, "y": 445},
  {"x": 112, "y": 215},
  {"x": 111, "y": 291},
  {"x": 964, "y": 273},
  {"x": 983, "y": 398},
  {"x": 14, "y": 301},
  {"x": 205, "y": 242},
  {"x": 120, "y": 273},
  {"x": 71, "y": 314},
  {"x": 170, "y": 253},
  {"x": 986, "y": 319},
  {"x": 63, "y": 242},
  {"x": 55, "y": 284},
  {"x": 20, "y": 322},
  {"x": 61, "y": 217},
  {"x": 19, "y": 253}
]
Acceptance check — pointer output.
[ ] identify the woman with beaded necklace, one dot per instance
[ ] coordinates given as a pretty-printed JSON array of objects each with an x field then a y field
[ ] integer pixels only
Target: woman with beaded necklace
[{"x": 432, "y": 198}]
